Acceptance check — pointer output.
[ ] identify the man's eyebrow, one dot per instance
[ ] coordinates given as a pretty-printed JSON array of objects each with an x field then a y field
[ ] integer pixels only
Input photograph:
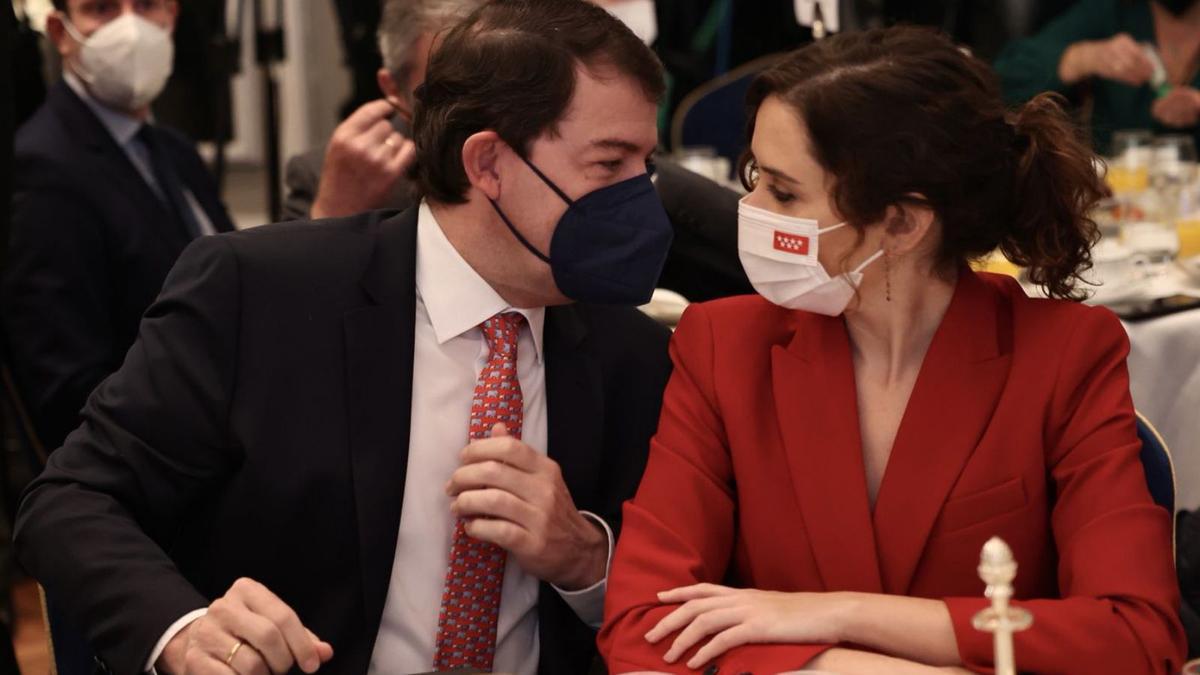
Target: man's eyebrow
[{"x": 616, "y": 144}]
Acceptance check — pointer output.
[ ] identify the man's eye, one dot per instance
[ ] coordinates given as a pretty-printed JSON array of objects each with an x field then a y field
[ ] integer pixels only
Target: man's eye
[{"x": 611, "y": 165}]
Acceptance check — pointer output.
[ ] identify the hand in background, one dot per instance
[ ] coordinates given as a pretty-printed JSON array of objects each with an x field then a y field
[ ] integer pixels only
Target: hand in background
[
  {"x": 1118, "y": 58},
  {"x": 365, "y": 162},
  {"x": 1179, "y": 109}
]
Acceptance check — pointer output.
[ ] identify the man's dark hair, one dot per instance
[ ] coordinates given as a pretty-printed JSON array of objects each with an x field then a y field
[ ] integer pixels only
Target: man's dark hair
[
  {"x": 60, "y": 5},
  {"x": 510, "y": 68}
]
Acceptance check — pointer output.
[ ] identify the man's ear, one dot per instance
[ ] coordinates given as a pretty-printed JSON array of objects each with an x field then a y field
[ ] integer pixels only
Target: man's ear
[{"x": 481, "y": 154}]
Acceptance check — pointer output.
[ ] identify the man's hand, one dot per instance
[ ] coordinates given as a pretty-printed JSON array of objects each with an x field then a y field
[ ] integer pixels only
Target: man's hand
[
  {"x": 364, "y": 164},
  {"x": 514, "y": 497},
  {"x": 1179, "y": 109},
  {"x": 1118, "y": 58},
  {"x": 271, "y": 636}
]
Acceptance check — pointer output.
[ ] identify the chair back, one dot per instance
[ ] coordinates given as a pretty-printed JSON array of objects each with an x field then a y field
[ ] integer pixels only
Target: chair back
[
  {"x": 714, "y": 115},
  {"x": 1157, "y": 464}
]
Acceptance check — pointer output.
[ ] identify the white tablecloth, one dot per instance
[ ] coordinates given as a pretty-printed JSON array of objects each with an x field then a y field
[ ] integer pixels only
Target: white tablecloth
[{"x": 1164, "y": 378}]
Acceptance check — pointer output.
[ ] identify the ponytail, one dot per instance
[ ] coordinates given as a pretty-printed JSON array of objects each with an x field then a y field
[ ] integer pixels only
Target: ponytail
[{"x": 1054, "y": 188}]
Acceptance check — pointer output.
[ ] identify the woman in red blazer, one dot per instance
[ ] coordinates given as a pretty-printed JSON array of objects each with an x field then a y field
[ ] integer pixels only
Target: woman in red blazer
[{"x": 833, "y": 455}]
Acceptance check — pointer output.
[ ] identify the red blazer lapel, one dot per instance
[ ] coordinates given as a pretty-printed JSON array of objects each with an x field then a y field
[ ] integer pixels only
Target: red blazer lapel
[
  {"x": 813, "y": 382},
  {"x": 951, "y": 406}
]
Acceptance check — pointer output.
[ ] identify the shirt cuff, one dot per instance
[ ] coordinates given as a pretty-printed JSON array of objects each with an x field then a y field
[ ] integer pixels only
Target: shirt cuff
[
  {"x": 588, "y": 603},
  {"x": 183, "y": 622}
]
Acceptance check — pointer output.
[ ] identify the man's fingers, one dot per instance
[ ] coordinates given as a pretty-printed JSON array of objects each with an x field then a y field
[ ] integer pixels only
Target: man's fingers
[
  {"x": 489, "y": 474},
  {"x": 202, "y": 663},
  {"x": 248, "y": 661},
  {"x": 264, "y": 647},
  {"x": 374, "y": 141},
  {"x": 403, "y": 159},
  {"x": 262, "y": 601},
  {"x": 324, "y": 649},
  {"x": 503, "y": 533},
  {"x": 492, "y": 503},
  {"x": 504, "y": 449},
  {"x": 367, "y": 116}
]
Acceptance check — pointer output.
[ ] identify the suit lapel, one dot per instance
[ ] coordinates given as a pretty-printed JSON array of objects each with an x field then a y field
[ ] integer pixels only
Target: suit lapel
[
  {"x": 574, "y": 401},
  {"x": 813, "y": 382},
  {"x": 951, "y": 405},
  {"x": 379, "y": 367},
  {"x": 91, "y": 133}
]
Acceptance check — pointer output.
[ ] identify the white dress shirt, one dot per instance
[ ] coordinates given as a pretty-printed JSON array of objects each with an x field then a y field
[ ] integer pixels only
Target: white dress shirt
[
  {"x": 449, "y": 353},
  {"x": 123, "y": 128}
]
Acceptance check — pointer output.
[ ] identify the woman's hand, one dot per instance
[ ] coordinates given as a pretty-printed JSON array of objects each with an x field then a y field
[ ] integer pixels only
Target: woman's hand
[
  {"x": 1179, "y": 109},
  {"x": 734, "y": 617}
]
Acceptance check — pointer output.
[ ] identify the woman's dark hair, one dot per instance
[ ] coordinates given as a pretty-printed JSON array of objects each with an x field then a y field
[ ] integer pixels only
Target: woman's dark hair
[
  {"x": 510, "y": 68},
  {"x": 901, "y": 116}
]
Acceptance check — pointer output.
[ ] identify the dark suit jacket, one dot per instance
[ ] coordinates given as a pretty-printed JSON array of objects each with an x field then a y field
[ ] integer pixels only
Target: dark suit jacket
[
  {"x": 702, "y": 264},
  {"x": 89, "y": 249},
  {"x": 259, "y": 428}
]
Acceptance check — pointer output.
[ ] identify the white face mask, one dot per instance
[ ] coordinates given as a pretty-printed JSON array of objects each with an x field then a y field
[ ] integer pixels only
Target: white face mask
[
  {"x": 779, "y": 254},
  {"x": 126, "y": 62},
  {"x": 639, "y": 16}
]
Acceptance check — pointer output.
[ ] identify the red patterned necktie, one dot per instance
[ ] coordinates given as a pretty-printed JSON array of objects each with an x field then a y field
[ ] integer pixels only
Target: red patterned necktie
[{"x": 471, "y": 599}]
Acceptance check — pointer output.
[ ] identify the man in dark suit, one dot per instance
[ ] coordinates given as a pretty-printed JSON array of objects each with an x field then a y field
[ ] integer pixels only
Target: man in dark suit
[
  {"x": 277, "y": 475},
  {"x": 104, "y": 202}
]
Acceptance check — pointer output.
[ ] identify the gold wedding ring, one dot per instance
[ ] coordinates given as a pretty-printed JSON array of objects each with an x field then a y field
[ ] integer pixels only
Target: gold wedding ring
[{"x": 233, "y": 652}]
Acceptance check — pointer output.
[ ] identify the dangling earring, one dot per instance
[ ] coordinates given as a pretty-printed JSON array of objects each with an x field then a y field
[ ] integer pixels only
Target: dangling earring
[{"x": 887, "y": 274}]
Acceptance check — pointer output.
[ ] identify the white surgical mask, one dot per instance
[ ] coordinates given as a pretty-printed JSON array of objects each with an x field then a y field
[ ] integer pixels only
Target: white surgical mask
[
  {"x": 126, "y": 62},
  {"x": 779, "y": 254},
  {"x": 639, "y": 16}
]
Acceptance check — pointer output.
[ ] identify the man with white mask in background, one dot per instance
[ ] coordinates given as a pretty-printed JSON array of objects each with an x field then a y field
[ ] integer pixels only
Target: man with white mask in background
[{"x": 104, "y": 201}]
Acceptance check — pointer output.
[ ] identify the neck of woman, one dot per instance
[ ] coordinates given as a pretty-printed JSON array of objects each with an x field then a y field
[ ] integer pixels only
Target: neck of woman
[{"x": 892, "y": 336}]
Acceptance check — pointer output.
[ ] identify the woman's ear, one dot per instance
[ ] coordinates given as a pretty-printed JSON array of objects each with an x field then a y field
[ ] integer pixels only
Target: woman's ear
[
  {"x": 908, "y": 225},
  {"x": 480, "y": 157}
]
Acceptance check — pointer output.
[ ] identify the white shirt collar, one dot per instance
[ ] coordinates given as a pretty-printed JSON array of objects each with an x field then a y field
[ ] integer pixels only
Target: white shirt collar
[
  {"x": 122, "y": 126},
  {"x": 456, "y": 298}
]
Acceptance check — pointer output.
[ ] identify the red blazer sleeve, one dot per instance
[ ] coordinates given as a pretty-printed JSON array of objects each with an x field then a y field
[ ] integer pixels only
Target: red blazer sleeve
[
  {"x": 1119, "y": 605},
  {"x": 679, "y": 528}
]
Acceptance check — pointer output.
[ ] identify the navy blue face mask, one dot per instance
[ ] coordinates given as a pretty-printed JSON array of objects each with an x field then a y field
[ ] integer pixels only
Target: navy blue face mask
[{"x": 610, "y": 245}]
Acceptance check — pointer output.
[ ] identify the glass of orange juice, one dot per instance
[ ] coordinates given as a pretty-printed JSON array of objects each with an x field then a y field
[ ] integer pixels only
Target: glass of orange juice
[
  {"x": 1189, "y": 235},
  {"x": 1129, "y": 168}
]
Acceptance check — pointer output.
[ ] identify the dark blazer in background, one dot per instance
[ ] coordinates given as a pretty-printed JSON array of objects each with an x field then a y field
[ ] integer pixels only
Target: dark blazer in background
[
  {"x": 260, "y": 428},
  {"x": 89, "y": 249},
  {"x": 702, "y": 264}
]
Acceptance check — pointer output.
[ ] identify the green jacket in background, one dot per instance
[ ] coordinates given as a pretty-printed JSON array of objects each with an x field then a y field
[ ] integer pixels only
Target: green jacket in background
[{"x": 1030, "y": 66}]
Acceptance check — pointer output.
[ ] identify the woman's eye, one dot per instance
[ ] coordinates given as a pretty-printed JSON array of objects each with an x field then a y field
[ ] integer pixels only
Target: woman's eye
[{"x": 781, "y": 197}]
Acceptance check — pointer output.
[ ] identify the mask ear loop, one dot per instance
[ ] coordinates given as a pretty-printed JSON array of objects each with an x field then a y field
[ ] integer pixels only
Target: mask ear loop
[
  {"x": 863, "y": 265},
  {"x": 72, "y": 30},
  {"x": 511, "y": 228},
  {"x": 79, "y": 38},
  {"x": 549, "y": 183},
  {"x": 520, "y": 238}
]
